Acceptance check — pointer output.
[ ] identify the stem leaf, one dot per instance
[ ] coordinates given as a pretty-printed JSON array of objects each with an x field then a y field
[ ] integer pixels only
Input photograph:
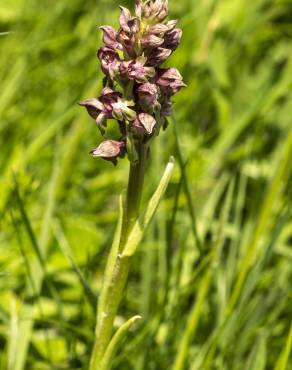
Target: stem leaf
[
  {"x": 142, "y": 223},
  {"x": 111, "y": 260},
  {"x": 115, "y": 342}
]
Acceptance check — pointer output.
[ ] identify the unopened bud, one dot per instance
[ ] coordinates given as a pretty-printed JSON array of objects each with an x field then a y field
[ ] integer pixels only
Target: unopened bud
[
  {"x": 158, "y": 56},
  {"x": 155, "y": 9},
  {"x": 151, "y": 41},
  {"x": 128, "y": 23},
  {"x": 172, "y": 39},
  {"x": 170, "y": 80}
]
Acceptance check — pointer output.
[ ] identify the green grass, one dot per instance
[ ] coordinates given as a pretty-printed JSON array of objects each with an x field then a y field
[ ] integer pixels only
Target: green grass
[{"x": 212, "y": 278}]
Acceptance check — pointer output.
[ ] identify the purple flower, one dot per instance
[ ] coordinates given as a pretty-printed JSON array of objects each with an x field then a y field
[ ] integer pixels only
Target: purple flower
[
  {"x": 109, "y": 60},
  {"x": 131, "y": 58},
  {"x": 170, "y": 80},
  {"x": 110, "y": 150},
  {"x": 148, "y": 95},
  {"x": 172, "y": 39},
  {"x": 158, "y": 56},
  {"x": 136, "y": 70},
  {"x": 101, "y": 109},
  {"x": 144, "y": 123},
  {"x": 110, "y": 37}
]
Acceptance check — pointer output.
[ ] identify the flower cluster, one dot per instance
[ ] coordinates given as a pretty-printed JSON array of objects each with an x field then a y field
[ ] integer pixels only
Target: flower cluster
[{"x": 137, "y": 91}]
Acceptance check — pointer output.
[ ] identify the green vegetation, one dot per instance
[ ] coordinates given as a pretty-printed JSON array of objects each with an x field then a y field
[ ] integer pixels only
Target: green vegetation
[{"x": 212, "y": 278}]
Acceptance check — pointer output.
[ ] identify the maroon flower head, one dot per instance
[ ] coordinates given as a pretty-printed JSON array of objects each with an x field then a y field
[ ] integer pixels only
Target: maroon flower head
[{"x": 137, "y": 90}]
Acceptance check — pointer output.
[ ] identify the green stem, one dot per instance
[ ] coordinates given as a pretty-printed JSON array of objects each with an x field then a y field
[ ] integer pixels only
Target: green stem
[{"x": 113, "y": 292}]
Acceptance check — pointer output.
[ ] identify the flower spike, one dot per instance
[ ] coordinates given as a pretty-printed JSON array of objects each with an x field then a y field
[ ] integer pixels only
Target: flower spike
[{"x": 137, "y": 90}]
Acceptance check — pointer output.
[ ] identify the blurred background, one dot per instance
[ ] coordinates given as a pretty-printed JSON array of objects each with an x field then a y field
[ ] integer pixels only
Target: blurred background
[{"x": 212, "y": 279}]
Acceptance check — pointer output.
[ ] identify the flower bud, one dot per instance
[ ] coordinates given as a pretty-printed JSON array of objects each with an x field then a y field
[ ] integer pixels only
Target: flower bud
[
  {"x": 155, "y": 9},
  {"x": 144, "y": 123},
  {"x": 128, "y": 23},
  {"x": 157, "y": 29},
  {"x": 148, "y": 95},
  {"x": 151, "y": 41},
  {"x": 109, "y": 60},
  {"x": 171, "y": 24},
  {"x": 138, "y": 8},
  {"x": 163, "y": 13},
  {"x": 170, "y": 80},
  {"x": 109, "y": 150},
  {"x": 172, "y": 39},
  {"x": 158, "y": 56},
  {"x": 110, "y": 37}
]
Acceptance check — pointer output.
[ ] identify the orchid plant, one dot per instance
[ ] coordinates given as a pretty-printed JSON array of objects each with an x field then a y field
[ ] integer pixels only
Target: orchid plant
[{"x": 137, "y": 94}]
